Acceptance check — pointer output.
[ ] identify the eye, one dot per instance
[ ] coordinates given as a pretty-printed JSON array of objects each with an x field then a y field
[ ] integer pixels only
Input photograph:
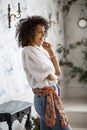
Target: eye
[{"x": 40, "y": 32}]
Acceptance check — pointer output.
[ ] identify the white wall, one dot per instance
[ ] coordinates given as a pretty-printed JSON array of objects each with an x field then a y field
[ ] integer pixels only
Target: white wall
[
  {"x": 12, "y": 80},
  {"x": 73, "y": 34},
  {"x": 13, "y": 83}
]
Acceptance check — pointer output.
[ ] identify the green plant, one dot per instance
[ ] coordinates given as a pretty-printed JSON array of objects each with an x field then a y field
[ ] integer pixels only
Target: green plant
[
  {"x": 36, "y": 123},
  {"x": 67, "y": 5},
  {"x": 75, "y": 69}
]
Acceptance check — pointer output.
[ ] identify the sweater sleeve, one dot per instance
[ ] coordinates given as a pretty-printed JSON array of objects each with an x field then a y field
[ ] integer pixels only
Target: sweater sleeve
[{"x": 37, "y": 66}]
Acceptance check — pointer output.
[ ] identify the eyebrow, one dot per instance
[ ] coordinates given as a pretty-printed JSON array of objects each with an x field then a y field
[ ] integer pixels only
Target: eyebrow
[{"x": 41, "y": 29}]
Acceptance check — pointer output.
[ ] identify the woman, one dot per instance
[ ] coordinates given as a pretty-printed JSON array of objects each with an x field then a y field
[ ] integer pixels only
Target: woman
[{"x": 42, "y": 69}]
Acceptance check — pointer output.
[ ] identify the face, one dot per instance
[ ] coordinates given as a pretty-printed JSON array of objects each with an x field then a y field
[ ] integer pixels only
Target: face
[{"x": 39, "y": 35}]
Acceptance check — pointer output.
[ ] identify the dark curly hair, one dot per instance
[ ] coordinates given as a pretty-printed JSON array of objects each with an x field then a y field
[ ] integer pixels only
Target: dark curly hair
[{"x": 26, "y": 27}]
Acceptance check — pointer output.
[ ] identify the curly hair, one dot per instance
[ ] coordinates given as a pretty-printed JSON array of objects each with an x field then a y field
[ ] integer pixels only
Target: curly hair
[{"x": 26, "y": 27}]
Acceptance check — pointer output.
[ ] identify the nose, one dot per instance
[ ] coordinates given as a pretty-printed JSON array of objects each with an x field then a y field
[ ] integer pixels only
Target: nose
[{"x": 43, "y": 33}]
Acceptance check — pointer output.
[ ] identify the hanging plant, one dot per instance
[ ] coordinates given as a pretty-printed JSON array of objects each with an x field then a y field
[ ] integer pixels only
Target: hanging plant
[
  {"x": 73, "y": 69},
  {"x": 66, "y": 7}
]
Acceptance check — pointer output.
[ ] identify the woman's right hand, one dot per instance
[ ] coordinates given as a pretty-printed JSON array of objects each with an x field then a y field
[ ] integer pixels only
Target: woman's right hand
[
  {"x": 54, "y": 60},
  {"x": 47, "y": 46}
]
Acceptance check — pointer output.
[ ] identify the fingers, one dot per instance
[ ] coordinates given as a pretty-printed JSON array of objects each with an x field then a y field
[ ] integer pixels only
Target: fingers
[{"x": 46, "y": 44}]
